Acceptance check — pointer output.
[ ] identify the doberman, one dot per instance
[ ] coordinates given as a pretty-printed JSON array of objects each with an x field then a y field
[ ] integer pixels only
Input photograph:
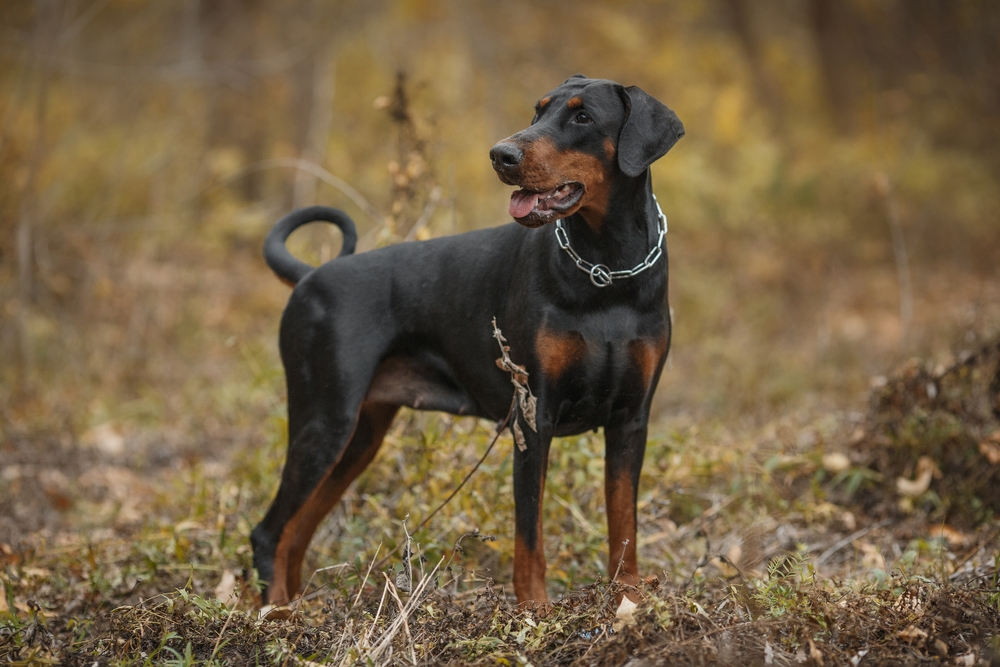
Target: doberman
[{"x": 583, "y": 307}]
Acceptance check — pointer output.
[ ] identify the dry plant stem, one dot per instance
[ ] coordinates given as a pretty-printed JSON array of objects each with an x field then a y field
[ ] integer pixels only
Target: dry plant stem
[
  {"x": 361, "y": 588},
  {"x": 222, "y": 632},
  {"x": 884, "y": 187},
  {"x": 319, "y": 172},
  {"x": 621, "y": 561},
  {"x": 378, "y": 612},
  {"x": 316, "y": 592},
  {"x": 402, "y": 614},
  {"x": 397, "y": 623}
]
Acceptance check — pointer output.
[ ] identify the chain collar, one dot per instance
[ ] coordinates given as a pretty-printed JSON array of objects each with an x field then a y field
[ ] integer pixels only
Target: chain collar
[{"x": 599, "y": 274}]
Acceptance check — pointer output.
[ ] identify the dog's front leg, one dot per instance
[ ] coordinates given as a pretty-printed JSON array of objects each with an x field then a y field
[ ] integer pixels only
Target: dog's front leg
[
  {"x": 625, "y": 446},
  {"x": 530, "y": 466}
]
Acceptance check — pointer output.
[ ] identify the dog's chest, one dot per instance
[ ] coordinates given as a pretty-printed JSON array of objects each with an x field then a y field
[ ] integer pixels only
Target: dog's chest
[{"x": 610, "y": 363}]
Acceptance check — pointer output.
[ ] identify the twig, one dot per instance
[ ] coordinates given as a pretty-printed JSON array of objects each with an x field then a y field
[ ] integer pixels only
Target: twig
[
  {"x": 621, "y": 561},
  {"x": 496, "y": 436},
  {"x": 320, "y": 173},
  {"x": 850, "y": 538}
]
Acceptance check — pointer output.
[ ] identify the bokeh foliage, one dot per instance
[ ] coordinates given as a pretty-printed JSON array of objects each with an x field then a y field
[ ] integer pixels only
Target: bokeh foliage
[{"x": 144, "y": 150}]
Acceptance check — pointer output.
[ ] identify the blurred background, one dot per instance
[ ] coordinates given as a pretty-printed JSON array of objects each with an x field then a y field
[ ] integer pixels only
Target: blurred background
[{"x": 833, "y": 208}]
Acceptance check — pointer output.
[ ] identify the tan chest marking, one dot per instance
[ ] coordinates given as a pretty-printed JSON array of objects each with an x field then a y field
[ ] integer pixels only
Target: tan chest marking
[
  {"x": 646, "y": 355},
  {"x": 557, "y": 352}
]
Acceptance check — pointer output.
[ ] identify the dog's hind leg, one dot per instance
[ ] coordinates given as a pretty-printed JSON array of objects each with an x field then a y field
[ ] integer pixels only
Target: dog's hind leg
[{"x": 311, "y": 485}]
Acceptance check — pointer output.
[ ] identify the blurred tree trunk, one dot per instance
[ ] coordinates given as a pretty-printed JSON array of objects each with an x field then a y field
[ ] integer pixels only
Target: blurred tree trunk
[
  {"x": 767, "y": 90},
  {"x": 834, "y": 69},
  {"x": 46, "y": 23},
  {"x": 318, "y": 127}
]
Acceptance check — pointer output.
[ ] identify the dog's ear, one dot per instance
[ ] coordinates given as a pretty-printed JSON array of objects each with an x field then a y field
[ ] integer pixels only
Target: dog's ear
[
  {"x": 575, "y": 76},
  {"x": 649, "y": 131}
]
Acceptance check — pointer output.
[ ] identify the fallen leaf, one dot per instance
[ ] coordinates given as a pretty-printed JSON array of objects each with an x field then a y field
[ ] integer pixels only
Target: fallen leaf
[
  {"x": 926, "y": 470},
  {"x": 856, "y": 660},
  {"x": 225, "y": 590},
  {"x": 967, "y": 660},
  {"x": 625, "y": 615},
  {"x": 953, "y": 537},
  {"x": 815, "y": 654},
  {"x": 836, "y": 462},
  {"x": 990, "y": 448}
]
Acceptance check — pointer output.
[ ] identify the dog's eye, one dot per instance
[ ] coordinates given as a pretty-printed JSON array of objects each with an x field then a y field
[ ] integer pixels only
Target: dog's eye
[
  {"x": 535, "y": 119},
  {"x": 582, "y": 117}
]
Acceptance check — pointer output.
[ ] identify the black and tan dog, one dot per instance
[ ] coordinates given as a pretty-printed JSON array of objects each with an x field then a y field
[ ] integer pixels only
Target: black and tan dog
[{"x": 583, "y": 307}]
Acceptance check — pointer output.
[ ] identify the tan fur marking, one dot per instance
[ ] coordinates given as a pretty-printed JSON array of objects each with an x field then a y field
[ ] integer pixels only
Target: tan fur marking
[
  {"x": 557, "y": 352},
  {"x": 545, "y": 167},
  {"x": 609, "y": 149},
  {"x": 647, "y": 355},
  {"x": 529, "y": 569},
  {"x": 619, "y": 495},
  {"x": 298, "y": 532},
  {"x": 544, "y": 102},
  {"x": 574, "y": 103}
]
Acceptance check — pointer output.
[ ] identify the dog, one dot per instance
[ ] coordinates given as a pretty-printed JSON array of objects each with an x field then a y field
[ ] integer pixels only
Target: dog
[{"x": 582, "y": 305}]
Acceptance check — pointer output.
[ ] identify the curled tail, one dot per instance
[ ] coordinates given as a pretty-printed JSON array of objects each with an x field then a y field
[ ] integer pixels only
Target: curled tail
[{"x": 282, "y": 262}]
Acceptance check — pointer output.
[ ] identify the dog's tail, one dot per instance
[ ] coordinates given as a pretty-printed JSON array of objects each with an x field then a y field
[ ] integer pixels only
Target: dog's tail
[{"x": 282, "y": 262}]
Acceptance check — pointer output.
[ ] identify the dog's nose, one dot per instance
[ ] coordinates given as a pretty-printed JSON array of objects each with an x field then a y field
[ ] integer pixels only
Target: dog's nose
[{"x": 506, "y": 155}]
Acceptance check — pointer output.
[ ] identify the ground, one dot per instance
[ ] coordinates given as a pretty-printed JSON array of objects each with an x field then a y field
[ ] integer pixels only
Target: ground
[{"x": 813, "y": 538}]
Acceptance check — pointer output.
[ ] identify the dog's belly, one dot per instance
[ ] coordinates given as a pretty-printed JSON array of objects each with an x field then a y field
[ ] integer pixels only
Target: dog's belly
[{"x": 421, "y": 381}]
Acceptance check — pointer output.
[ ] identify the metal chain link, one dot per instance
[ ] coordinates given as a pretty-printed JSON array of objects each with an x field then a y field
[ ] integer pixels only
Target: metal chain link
[{"x": 599, "y": 274}]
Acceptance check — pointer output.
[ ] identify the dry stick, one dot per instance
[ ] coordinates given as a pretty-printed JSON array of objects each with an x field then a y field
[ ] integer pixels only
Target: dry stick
[
  {"x": 229, "y": 616},
  {"x": 320, "y": 173},
  {"x": 500, "y": 428},
  {"x": 310, "y": 596}
]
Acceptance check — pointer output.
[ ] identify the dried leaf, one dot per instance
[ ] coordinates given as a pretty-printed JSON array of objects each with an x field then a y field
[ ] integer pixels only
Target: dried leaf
[
  {"x": 225, "y": 590},
  {"x": 526, "y": 401},
  {"x": 926, "y": 470},
  {"x": 625, "y": 615},
  {"x": 518, "y": 435},
  {"x": 990, "y": 448}
]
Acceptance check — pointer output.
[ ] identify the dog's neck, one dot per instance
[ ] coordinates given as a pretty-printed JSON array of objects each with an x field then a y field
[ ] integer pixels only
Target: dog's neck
[{"x": 622, "y": 237}]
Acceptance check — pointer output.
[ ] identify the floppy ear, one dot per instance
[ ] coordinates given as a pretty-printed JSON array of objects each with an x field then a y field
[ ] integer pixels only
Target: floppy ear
[
  {"x": 575, "y": 76},
  {"x": 650, "y": 130}
]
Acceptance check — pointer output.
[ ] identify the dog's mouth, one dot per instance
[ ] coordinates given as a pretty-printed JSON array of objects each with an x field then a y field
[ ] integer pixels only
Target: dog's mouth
[{"x": 534, "y": 209}]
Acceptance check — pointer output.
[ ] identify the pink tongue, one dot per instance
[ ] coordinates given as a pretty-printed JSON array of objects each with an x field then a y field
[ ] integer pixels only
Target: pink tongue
[{"x": 522, "y": 203}]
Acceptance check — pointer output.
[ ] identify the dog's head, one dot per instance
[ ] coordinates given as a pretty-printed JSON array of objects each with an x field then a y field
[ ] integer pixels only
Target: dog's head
[{"x": 586, "y": 134}]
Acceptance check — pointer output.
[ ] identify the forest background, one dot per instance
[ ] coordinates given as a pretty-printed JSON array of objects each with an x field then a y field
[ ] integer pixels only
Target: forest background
[{"x": 834, "y": 207}]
